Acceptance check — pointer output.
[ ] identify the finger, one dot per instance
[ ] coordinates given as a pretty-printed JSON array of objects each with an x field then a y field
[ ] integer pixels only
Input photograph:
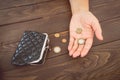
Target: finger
[
  {"x": 78, "y": 52},
  {"x": 74, "y": 48},
  {"x": 87, "y": 47},
  {"x": 97, "y": 28},
  {"x": 70, "y": 43}
]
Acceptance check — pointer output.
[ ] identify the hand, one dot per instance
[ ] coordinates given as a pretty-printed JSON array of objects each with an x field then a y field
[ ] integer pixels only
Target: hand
[{"x": 89, "y": 24}]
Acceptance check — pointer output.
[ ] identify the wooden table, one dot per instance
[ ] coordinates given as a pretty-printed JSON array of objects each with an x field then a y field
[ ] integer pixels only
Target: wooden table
[{"x": 53, "y": 16}]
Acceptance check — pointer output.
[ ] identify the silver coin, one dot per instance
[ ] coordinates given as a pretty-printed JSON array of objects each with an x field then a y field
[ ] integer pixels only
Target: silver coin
[
  {"x": 57, "y": 49},
  {"x": 81, "y": 41}
]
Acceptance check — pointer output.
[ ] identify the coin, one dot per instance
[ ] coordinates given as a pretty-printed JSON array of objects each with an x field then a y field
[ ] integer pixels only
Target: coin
[
  {"x": 57, "y": 49},
  {"x": 81, "y": 41},
  {"x": 57, "y": 35},
  {"x": 64, "y": 40},
  {"x": 78, "y": 30}
]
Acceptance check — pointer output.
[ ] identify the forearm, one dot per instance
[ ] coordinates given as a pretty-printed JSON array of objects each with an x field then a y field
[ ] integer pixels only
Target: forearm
[{"x": 79, "y": 5}]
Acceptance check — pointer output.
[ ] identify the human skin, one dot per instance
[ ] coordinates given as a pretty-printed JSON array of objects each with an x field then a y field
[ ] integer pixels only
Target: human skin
[{"x": 84, "y": 19}]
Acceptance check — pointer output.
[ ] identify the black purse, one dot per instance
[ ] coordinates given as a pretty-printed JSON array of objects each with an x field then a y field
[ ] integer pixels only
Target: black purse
[{"x": 31, "y": 49}]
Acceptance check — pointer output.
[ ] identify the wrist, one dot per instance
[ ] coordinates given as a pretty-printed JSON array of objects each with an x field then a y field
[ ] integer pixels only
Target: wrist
[
  {"x": 80, "y": 12},
  {"x": 78, "y": 6}
]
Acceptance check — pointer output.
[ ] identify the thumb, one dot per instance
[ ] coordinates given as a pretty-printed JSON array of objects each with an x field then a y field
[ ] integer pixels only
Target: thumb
[{"x": 98, "y": 31}]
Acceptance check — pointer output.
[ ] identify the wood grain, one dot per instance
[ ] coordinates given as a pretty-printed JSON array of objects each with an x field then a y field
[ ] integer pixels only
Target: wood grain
[
  {"x": 110, "y": 28},
  {"x": 53, "y": 16},
  {"x": 94, "y": 3},
  {"x": 6, "y": 4},
  {"x": 8, "y": 49},
  {"x": 61, "y": 22},
  {"x": 93, "y": 66},
  {"x": 106, "y": 11},
  {"x": 49, "y": 25},
  {"x": 32, "y": 12}
]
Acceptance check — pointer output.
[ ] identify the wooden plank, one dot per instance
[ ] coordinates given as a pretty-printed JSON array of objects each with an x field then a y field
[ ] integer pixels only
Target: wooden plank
[
  {"x": 16, "y": 3},
  {"x": 26, "y": 13},
  {"x": 111, "y": 28},
  {"x": 108, "y": 27},
  {"x": 105, "y": 11},
  {"x": 10, "y": 48},
  {"x": 49, "y": 25},
  {"x": 32, "y": 12},
  {"x": 110, "y": 31},
  {"x": 6, "y": 4},
  {"x": 102, "y": 60},
  {"x": 94, "y": 3},
  {"x": 55, "y": 23},
  {"x": 95, "y": 64},
  {"x": 111, "y": 46}
]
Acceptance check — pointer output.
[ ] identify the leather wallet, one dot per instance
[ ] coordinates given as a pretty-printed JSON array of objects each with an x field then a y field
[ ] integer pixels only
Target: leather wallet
[{"x": 31, "y": 49}]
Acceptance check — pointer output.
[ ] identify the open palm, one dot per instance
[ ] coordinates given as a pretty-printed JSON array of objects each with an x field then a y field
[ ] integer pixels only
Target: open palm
[{"x": 89, "y": 24}]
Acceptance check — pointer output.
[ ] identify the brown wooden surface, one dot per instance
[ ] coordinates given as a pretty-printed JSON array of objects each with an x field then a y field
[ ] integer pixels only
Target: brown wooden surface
[{"x": 53, "y": 16}]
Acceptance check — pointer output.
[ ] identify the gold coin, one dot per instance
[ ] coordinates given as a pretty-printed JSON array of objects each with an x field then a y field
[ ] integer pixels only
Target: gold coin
[
  {"x": 64, "y": 40},
  {"x": 57, "y": 35},
  {"x": 78, "y": 30}
]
